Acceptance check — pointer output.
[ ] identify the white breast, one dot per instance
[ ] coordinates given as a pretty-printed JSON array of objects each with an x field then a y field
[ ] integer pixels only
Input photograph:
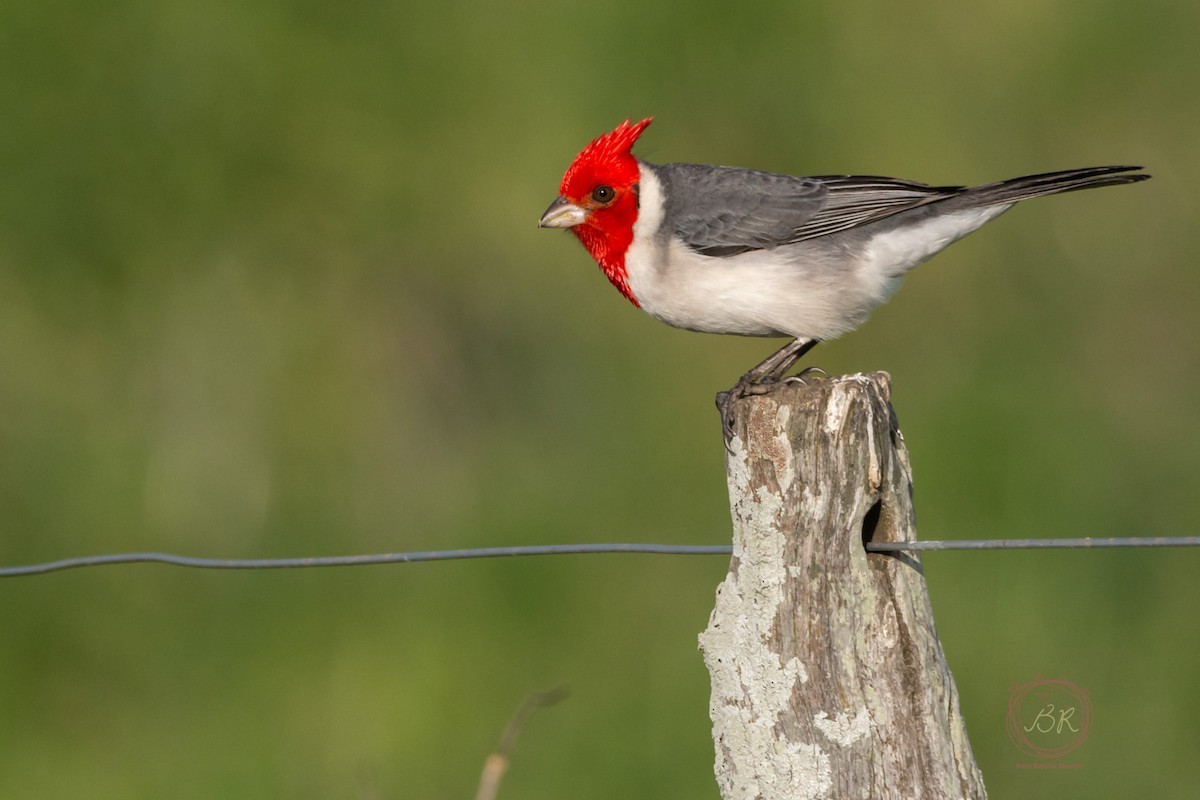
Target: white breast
[{"x": 700, "y": 293}]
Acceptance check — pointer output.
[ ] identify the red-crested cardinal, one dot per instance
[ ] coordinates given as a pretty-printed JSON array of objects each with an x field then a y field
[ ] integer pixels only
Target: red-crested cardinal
[{"x": 730, "y": 250}]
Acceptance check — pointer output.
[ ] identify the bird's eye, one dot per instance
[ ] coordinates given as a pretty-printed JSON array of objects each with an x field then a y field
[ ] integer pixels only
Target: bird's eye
[{"x": 603, "y": 194}]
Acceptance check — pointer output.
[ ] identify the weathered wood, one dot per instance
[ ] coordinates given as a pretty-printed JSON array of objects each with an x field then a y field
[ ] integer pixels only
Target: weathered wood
[{"x": 828, "y": 680}]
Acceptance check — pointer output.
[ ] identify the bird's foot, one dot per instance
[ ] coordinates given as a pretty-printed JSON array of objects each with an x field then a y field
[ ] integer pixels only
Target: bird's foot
[
  {"x": 751, "y": 385},
  {"x": 725, "y": 401},
  {"x": 762, "y": 379}
]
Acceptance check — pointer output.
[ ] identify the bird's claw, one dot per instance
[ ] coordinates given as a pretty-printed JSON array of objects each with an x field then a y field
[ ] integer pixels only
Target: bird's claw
[
  {"x": 806, "y": 376},
  {"x": 764, "y": 377},
  {"x": 725, "y": 401},
  {"x": 748, "y": 387}
]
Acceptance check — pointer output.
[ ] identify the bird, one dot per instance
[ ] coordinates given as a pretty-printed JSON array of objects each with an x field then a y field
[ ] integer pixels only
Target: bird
[{"x": 730, "y": 250}]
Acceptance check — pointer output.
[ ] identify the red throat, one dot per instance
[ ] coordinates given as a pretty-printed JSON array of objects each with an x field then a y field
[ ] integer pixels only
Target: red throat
[
  {"x": 608, "y": 241},
  {"x": 607, "y": 232}
]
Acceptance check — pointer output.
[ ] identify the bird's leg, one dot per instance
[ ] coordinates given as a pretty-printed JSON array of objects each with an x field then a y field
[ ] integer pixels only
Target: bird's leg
[{"x": 761, "y": 378}]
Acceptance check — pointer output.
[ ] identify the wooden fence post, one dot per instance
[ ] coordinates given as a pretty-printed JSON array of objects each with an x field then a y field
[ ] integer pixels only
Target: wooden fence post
[{"x": 828, "y": 680}]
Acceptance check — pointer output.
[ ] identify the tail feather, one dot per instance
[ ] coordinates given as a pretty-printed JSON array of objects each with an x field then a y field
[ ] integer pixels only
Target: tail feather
[{"x": 1070, "y": 180}]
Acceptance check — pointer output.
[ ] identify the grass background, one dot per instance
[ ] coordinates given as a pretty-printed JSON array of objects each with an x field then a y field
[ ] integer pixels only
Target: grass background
[{"x": 270, "y": 285}]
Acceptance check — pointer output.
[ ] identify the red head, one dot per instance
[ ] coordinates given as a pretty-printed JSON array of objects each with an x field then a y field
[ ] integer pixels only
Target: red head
[{"x": 598, "y": 200}]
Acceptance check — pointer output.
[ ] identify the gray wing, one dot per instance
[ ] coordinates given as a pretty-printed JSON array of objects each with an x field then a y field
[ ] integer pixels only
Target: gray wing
[{"x": 722, "y": 211}]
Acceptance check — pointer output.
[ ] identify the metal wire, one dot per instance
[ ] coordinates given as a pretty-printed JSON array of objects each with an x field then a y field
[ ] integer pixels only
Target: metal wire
[
  {"x": 1088, "y": 543},
  {"x": 1039, "y": 544},
  {"x": 353, "y": 561}
]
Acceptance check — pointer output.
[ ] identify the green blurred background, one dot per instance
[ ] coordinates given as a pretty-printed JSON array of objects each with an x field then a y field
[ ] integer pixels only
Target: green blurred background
[{"x": 271, "y": 285}]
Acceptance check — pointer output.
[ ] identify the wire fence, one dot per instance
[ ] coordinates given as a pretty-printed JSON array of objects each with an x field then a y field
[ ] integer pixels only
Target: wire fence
[{"x": 1086, "y": 543}]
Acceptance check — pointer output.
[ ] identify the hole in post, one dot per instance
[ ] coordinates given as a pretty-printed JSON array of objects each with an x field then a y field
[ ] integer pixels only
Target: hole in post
[{"x": 871, "y": 522}]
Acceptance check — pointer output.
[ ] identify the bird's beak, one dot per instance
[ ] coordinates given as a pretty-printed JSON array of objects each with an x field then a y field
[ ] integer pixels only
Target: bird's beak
[{"x": 562, "y": 213}]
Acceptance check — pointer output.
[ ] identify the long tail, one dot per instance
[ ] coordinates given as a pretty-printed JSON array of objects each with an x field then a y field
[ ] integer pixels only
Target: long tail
[{"x": 1068, "y": 180}]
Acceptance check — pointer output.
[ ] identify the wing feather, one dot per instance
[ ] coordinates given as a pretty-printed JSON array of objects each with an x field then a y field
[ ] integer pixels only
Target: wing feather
[{"x": 723, "y": 211}]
